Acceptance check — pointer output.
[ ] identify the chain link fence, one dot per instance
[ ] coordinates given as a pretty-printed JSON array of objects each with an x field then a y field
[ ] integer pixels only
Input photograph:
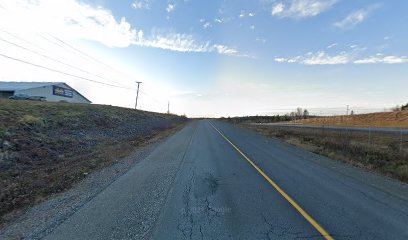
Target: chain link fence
[{"x": 384, "y": 150}]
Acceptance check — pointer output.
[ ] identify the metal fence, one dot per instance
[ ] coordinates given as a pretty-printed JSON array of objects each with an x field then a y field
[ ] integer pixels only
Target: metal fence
[{"x": 393, "y": 141}]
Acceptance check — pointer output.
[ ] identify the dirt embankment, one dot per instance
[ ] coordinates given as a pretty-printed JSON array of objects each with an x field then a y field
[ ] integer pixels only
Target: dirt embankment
[
  {"x": 398, "y": 119},
  {"x": 47, "y": 147}
]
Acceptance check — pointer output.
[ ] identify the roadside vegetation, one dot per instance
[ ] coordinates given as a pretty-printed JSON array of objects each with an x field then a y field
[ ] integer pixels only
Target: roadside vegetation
[
  {"x": 384, "y": 153},
  {"x": 297, "y": 115},
  {"x": 47, "y": 147}
]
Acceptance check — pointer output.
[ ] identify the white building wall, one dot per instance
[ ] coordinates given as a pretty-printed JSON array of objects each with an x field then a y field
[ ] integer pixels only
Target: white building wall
[{"x": 47, "y": 91}]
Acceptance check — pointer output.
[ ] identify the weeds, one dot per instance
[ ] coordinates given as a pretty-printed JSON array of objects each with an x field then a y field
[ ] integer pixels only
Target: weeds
[
  {"x": 384, "y": 153},
  {"x": 45, "y": 147}
]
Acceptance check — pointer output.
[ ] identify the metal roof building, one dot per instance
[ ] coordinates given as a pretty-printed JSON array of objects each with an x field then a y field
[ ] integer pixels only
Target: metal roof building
[{"x": 52, "y": 91}]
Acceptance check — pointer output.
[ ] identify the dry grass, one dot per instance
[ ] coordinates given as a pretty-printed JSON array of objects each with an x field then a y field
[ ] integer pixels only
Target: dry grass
[
  {"x": 45, "y": 148},
  {"x": 397, "y": 119},
  {"x": 384, "y": 153}
]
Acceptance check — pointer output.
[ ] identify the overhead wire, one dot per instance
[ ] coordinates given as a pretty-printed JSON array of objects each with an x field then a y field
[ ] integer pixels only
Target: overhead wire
[
  {"x": 61, "y": 62},
  {"x": 86, "y": 55},
  {"x": 69, "y": 48},
  {"x": 52, "y": 59},
  {"x": 62, "y": 72}
]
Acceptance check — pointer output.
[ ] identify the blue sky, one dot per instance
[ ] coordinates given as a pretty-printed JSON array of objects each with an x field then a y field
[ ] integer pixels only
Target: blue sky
[{"x": 215, "y": 58}]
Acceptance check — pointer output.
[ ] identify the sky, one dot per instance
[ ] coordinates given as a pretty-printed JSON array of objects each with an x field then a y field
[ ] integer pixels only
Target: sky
[{"x": 213, "y": 58}]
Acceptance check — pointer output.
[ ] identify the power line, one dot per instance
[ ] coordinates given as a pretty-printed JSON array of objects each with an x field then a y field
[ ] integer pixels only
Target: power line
[
  {"x": 68, "y": 47},
  {"x": 64, "y": 73},
  {"x": 52, "y": 59},
  {"x": 23, "y": 40},
  {"x": 84, "y": 54},
  {"x": 153, "y": 98}
]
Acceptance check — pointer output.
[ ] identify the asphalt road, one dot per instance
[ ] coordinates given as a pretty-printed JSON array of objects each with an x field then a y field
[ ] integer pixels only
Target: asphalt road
[{"x": 221, "y": 182}]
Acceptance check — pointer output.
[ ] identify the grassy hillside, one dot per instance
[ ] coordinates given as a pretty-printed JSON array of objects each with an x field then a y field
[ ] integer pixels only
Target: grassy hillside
[
  {"x": 398, "y": 119},
  {"x": 46, "y": 147}
]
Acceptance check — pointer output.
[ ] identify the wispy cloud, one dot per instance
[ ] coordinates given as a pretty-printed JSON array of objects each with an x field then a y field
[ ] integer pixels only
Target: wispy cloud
[
  {"x": 356, "y": 17},
  {"x": 261, "y": 40},
  {"x": 332, "y": 45},
  {"x": 244, "y": 14},
  {"x": 351, "y": 57},
  {"x": 205, "y": 23},
  {"x": 77, "y": 20},
  {"x": 171, "y": 7},
  {"x": 301, "y": 8},
  {"x": 380, "y": 58},
  {"x": 141, "y": 4},
  {"x": 318, "y": 58},
  {"x": 72, "y": 19}
]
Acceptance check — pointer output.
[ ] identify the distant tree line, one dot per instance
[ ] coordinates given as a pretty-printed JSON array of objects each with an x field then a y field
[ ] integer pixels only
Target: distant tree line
[
  {"x": 298, "y": 114},
  {"x": 400, "y": 108}
]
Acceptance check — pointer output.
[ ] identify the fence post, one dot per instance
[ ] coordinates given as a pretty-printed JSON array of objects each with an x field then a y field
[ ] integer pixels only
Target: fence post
[
  {"x": 369, "y": 136},
  {"x": 401, "y": 140}
]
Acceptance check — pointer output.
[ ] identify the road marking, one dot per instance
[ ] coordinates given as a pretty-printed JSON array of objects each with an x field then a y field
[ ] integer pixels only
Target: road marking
[{"x": 286, "y": 196}]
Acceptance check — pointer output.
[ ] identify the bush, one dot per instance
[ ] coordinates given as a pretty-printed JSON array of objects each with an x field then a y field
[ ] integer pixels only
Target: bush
[
  {"x": 402, "y": 172},
  {"x": 31, "y": 120}
]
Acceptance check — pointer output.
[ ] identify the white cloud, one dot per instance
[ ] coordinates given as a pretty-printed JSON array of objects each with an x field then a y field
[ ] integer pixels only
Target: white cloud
[
  {"x": 301, "y": 8},
  {"x": 221, "y": 49},
  {"x": 252, "y": 27},
  {"x": 278, "y": 9},
  {"x": 175, "y": 42},
  {"x": 355, "y": 17},
  {"x": 262, "y": 40},
  {"x": 76, "y": 20},
  {"x": 72, "y": 19},
  {"x": 171, "y": 7},
  {"x": 141, "y": 4},
  {"x": 243, "y": 14},
  {"x": 186, "y": 43},
  {"x": 380, "y": 58},
  {"x": 323, "y": 58},
  {"x": 206, "y": 25},
  {"x": 332, "y": 45},
  {"x": 280, "y": 60}
]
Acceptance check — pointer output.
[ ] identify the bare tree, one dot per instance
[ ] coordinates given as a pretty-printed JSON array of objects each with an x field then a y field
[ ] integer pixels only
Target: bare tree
[
  {"x": 299, "y": 112},
  {"x": 396, "y": 108},
  {"x": 305, "y": 113}
]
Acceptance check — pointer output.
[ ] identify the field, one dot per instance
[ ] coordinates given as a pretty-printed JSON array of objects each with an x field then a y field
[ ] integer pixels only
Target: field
[
  {"x": 47, "y": 147},
  {"x": 397, "y": 119}
]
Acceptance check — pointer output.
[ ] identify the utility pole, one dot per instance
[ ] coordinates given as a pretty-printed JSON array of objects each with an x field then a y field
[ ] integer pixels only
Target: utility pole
[
  {"x": 348, "y": 109},
  {"x": 168, "y": 107},
  {"x": 137, "y": 93}
]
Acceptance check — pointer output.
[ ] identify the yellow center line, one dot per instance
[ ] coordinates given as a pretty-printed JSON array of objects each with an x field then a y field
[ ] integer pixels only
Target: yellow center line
[{"x": 286, "y": 196}]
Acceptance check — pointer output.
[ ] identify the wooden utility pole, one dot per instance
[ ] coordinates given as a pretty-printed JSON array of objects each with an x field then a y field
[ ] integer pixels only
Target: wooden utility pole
[{"x": 137, "y": 93}]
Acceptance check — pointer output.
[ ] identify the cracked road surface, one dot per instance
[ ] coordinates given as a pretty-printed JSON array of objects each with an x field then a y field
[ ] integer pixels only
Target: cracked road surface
[{"x": 196, "y": 185}]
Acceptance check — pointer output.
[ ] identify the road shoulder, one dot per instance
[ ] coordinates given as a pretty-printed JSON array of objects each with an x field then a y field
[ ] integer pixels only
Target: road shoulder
[{"x": 38, "y": 221}]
